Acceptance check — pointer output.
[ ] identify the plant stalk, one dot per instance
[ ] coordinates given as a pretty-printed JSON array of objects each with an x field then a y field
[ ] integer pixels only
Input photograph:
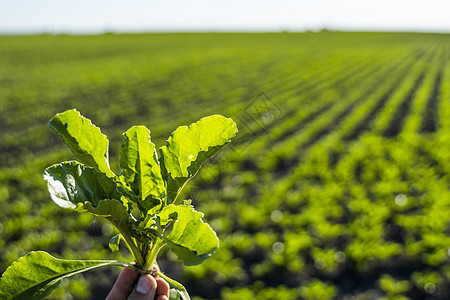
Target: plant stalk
[
  {"x": 177, "y": 200},
  {"x": 131, "y": 245},
  {"x": 151, "y": 257}
]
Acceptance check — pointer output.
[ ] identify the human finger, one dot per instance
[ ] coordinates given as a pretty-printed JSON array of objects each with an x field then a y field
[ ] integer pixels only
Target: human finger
[
  {"x": 123, "y": 285},
  {"x": 162, "y": 290},
  {"x": 145, "y": 288}
]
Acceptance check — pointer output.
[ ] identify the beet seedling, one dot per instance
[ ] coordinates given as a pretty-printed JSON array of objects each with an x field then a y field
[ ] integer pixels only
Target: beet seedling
[{"x": 149, "y": 183}]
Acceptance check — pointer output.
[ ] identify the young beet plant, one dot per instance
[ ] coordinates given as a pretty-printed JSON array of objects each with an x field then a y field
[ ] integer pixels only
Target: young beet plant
[{"x": 143, "y": 202}]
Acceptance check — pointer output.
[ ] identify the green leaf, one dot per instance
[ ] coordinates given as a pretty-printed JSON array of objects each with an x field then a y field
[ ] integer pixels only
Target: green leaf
[
  {"x": 36, "y": 274},
  {"x": 191, "y": 239},
  {"x": 141, "y": 172},
  {"x": 174, "y": 295},
  {"x": 84, "y": 139},
  {"x": 73, "y": 185},
  {"x": 188, "y": 147},
  {"x": 114, "y": 243}
]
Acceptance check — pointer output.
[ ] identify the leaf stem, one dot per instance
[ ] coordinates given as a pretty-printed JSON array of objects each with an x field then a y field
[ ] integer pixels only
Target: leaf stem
[
  {"x": 151, "y": 257},
  {"x": 175, "y": 202},
  {"x": 172, "y": 282},
  {"x": 178, "y": 286},
  {"x": 131, "y": 245}
]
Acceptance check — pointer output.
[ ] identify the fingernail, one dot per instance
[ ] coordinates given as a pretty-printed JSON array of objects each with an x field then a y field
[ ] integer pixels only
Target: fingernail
[{"x": 143, "y": 286}]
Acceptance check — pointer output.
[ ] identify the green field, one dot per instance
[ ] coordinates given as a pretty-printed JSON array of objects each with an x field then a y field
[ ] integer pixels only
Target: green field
[{"x": 337, "y": 186}]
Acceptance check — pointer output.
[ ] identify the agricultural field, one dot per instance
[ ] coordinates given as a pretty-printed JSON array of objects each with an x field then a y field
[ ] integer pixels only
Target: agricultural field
[{"x": 336, "y": 187}]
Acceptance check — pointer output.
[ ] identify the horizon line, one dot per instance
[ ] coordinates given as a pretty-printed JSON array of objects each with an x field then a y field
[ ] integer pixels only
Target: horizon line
[{"x": 199, "y": 31}]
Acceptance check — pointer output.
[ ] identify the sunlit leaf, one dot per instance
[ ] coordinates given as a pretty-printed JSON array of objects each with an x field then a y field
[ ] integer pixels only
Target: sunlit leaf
[
  {"x": 188, "y": 147},
  {"x": 36, "y": 274},
  {"x": 191, "y": 239},
  {"x": 141, "y": 172},
  {"x": 84, "y": 139}
]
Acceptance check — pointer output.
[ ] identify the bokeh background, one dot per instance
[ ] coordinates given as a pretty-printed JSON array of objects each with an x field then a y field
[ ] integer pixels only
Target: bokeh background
[{"x": 337, "y": 186}]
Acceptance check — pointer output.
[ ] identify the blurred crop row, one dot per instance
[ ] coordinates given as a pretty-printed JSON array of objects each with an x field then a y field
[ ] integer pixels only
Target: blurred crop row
[{"x": 337, "y": 185}]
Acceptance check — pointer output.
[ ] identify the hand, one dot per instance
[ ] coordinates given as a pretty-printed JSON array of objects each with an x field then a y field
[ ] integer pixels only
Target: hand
[{"x": 147, "y": 287}]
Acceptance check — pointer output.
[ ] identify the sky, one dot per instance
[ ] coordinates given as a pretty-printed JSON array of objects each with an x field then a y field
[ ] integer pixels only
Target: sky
[{"x": 97, "y": 16}]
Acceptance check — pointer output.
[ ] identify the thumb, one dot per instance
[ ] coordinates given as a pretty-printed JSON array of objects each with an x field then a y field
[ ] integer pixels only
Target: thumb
[{"x": 145, "y": 288}]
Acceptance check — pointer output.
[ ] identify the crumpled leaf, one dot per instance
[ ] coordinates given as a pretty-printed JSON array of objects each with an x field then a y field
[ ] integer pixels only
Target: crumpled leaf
[
  {"x": 84, "y": 139},
  {"x": 188, "y": 147},
  {"x": 75, "y": 186},
  {"x": 36, "y": 274},
  {"x": 174, "y": 295},
  {"x": 191, "y": 239},
  {"x": 114, "y": 243},
  {"x": 141, "y": 173}
]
